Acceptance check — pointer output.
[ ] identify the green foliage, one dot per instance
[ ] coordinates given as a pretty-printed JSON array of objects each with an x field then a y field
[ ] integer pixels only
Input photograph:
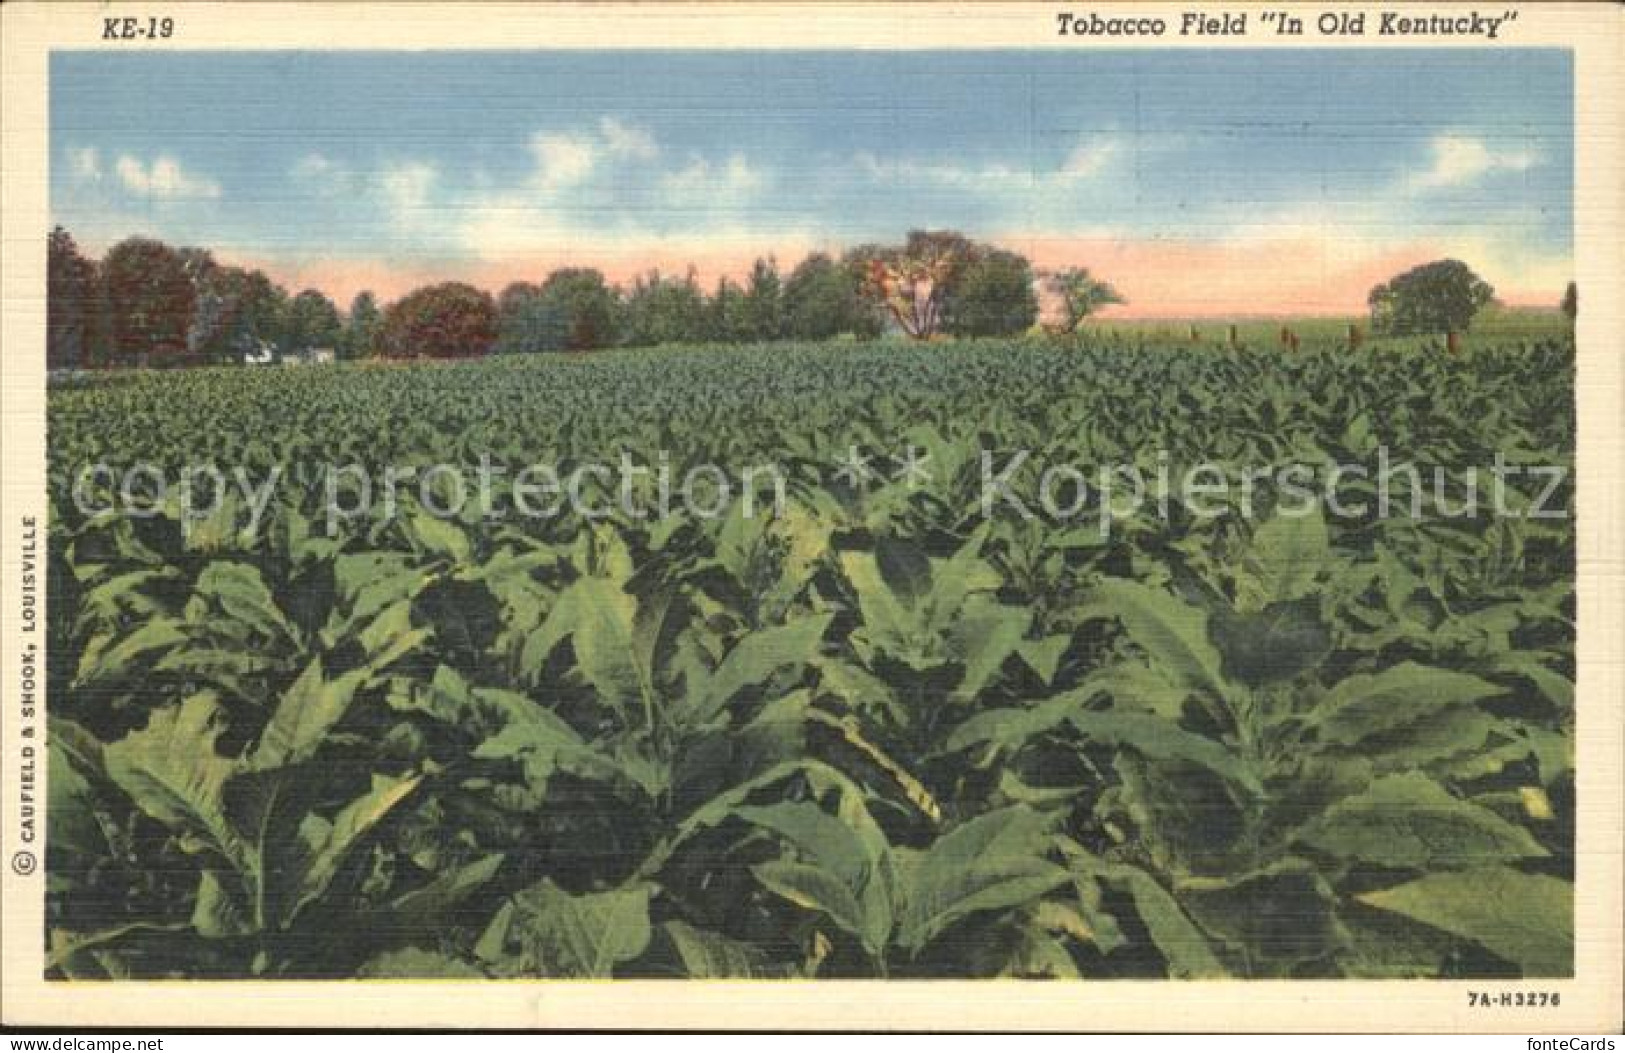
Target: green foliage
[
  {"x": 527, "y": 324},
  {"x": 1080, "y": 294},
  {"x": 879, "y": 735},
  {"x": 1437, "y": 297},
  {"x": 727, "y": 321},
  {"x": 311, "y": 321},
  {"x": 822, "y": 300},
  {"x": 1526, "y": 918},
  {"x": 362, "y": 327},
  {"x": 993, "y": 296},
  {"x": 762, "y": 307},
  {"x": 573, "y": 310},
  {"x": 587, "y": 304},
  {"x": 242, "y": 313},
  {"x": 660, "y": 309}
]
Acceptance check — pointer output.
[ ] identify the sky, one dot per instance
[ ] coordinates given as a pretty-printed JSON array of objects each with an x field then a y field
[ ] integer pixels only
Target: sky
[{"x": 1200, "y": 183}]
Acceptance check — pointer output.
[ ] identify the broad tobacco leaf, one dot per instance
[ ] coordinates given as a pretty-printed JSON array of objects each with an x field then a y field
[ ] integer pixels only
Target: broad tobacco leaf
[{"x": 1528, "y": 919}]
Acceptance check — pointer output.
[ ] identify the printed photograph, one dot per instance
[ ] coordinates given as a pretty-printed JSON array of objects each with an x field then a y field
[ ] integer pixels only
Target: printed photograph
[{"x": 1080, "y": 515}]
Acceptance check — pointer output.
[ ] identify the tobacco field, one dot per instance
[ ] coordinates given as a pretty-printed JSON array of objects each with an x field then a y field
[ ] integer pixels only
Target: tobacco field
[{"x": 880, "y": 734}]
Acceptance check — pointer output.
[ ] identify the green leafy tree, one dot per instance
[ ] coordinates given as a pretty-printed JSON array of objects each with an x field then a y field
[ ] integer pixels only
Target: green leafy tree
[
  {"x": 151, "y": 297},
  {"x": 525, "y": 325},
  {"x": 72, "y": 295},
  {"x": 238, "y": 313},
  {"x": 992, "y": 295},
  {"x": 726, "y": 310},
  {"x": 208, "y": 309},
  {"x": 514, "y": 295},
  {"x": 450, "y": 320},
  {"x": 586, "y": 303},
  {"x": 664, "y": 310},
  {"x": 265, "y": 303},
  {"x": 1077, "y": 294},
  {"x": 821, "y": 300},
  {"x": 361, "y": 327},
  {"x": 312, "y": 321},
  {"x": 1442, "y": 296},
  {"x": 763, "y": 304}
]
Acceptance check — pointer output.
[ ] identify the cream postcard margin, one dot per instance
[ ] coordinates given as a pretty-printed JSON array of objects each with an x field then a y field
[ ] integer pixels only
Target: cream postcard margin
[{"x": 1591, "y": 1001}]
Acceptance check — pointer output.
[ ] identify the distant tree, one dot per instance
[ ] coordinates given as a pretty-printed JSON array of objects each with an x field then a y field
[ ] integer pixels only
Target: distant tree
[
  {"x": 214, "y": 315},
  {"x": 151, "y": 297},
  {"x": 940, "y": 244},
  {"x": 99, "y": 334},
  {"x": 197, "y": 262},
  {"x": 531, "y": 326},
  {"x": 72, "y": 303},
  {"x": 1571, "y": 302},
  {"x": 586, "y": 303},
  {"x": 914, "y": 282},
  {"x": 726, "y": 316},
  {"x": 1078, "y": 294},
  {"x": 514, "y": 295},
  {"x": 1436, "y": 297},
  {"x": 992, "y": 295},
  {"x": 264, "y": 305},
  {"x": 361, "y": 327},
  {"x": 450, "y": 320},
  {"x": 237, "y": 312},
  {"x": 664, "y": 310},
  {"x": 763, "y": 305},
  {"x": 573, "y": 310},
  {"x": 211, "y": 311},
  {"x": 821, "y": 300},
  {"x": 311, "y": 320},
  {"x": 525, "y": 325}
]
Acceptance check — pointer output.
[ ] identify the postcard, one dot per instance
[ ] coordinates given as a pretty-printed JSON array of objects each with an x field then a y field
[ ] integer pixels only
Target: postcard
[{"x": 813, "y": 516}]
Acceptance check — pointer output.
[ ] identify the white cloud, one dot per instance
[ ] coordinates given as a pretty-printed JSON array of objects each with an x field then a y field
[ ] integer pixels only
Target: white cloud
[
  {"x": 566, "y": 160},
  {"x": 85, "y": 164},
  {"x": 609, "y": 184},
  {"x": 702, "y": 183},
  {"x": 626, "y": 140},
  {"x": 1461, "y": 160},
  {"x": 322, "y": 175},
  {"x": 1086, "y": 161},
  {"x": 987, "y": 176},
  {"x": 562, "y": 161},
  {"x": 1090, "y": 159},
  {"x": 164, "y": 178},
  {"x": 313, "y": 166},
  {"x": 405, "y": 189}
]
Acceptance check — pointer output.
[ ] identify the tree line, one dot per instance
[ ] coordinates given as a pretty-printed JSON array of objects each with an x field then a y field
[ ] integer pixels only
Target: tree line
[{"x": 149, "y": 303}]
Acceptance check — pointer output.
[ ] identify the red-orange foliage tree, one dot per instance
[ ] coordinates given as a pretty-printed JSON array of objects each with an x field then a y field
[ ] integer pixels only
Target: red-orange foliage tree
[
  {"x": 451, "y": 320},
  {"x": 150, "y": 297},
  {"x": 912, "y": 281}
]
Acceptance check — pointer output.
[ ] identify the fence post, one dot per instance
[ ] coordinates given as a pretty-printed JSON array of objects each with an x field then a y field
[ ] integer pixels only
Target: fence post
[
  {"x": 1233, "y": 339},
  {"x": 1452, "y": 342},
  {"x": 1355, "y": 337}
]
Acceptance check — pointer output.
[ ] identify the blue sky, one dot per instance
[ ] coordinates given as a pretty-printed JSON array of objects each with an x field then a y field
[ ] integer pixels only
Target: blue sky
[{"x": 383, "y": 167}]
